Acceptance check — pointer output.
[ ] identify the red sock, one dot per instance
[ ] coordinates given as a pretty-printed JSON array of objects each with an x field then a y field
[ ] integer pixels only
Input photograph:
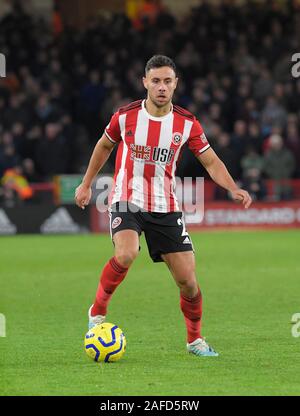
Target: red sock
[
  {"x": 192, "y": 311},
  {"x": 112, "y": 275}
]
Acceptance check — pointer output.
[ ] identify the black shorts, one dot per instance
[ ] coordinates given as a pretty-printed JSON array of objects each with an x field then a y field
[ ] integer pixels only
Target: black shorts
[{"x": 164, "y": 232}]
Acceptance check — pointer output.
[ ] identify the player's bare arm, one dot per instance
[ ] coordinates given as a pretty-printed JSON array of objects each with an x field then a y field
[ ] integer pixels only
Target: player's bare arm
[
  {"x": 99, "y": 156},
  {"x": 220, "y": 175}
]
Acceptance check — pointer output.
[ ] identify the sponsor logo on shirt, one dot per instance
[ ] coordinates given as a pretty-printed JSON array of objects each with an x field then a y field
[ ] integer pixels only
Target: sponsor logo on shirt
[
  {"x": 140, "y": 152},
  {"x": 152, "y": 155}
]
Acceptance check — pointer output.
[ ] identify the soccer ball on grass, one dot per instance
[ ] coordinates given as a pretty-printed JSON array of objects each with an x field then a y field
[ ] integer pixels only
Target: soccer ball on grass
[{"x": 105, "y": 342}]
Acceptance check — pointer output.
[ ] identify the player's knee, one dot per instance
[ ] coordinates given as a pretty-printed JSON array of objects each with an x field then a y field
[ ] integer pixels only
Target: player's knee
[
  {"x": 188, "y": 286},
  {"x": 186, "y": 283},
  {"x": 126, "y": 258}
]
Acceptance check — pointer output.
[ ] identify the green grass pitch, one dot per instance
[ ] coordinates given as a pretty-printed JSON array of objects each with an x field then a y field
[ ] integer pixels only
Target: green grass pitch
[{"x": 250, "y": 284}]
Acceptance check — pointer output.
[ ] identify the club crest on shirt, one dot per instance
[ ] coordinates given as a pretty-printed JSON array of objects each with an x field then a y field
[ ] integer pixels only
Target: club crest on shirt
[
  {"x": 176, "y": 138},
  {"x": 116, "y": 222}
]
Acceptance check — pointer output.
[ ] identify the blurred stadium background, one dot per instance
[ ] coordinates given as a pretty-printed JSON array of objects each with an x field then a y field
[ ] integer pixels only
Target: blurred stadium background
[{"x": 70, "y": 65}]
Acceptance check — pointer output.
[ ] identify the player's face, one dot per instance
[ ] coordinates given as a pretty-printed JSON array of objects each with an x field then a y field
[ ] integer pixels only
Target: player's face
[{"x": 160, "y": 84}]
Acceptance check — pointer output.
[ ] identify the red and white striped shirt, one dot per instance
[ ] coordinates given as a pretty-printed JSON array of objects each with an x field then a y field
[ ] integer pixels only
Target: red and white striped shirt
[{"x": 149, "y": 148}]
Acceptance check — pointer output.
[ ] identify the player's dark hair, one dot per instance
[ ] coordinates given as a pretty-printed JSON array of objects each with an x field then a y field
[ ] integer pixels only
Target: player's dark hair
[{"x": 157, "y": 61}]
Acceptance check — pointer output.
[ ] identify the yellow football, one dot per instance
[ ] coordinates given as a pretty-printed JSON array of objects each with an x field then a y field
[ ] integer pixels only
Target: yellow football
[{"x": 105, "y": 342}]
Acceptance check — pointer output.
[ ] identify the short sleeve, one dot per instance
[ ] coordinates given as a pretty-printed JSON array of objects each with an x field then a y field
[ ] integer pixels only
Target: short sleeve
[
  {"x": 197, "y": 142},
  {"x": 112, "y": 130}
]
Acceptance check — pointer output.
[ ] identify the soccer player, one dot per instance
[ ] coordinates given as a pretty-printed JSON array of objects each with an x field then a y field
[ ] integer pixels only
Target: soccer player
[{"x": 150, "y": 134}]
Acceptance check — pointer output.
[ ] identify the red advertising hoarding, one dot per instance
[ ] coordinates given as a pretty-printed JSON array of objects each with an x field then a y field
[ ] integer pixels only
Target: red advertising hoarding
[{"x": 228, "y": 215}]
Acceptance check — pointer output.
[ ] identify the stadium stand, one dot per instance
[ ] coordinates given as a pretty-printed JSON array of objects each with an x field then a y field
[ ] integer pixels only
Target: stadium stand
[{"x": 63, "y": 84}]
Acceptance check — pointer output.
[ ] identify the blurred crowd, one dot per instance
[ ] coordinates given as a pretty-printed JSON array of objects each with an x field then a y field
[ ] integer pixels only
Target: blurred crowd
[{"x": 234, "y": 64}]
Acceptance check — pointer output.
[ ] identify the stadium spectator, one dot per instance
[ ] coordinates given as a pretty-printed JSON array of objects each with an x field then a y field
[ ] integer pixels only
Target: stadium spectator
[
  {"x": 255, "y": 138},
  {"x": 252, "y": 160},
  {"x": 147, "y": 13},
  {"x": 229, "y": 156},
  {"x": 279, "y": 165},
  {"x": 252, "y": 169},
  {"x": 91, "y": 99},
  {"x": 254, "y": 184},
  {"x": 227, "y": 153},
  {"x": 293, "y": 143},
  {"x": 273, "y": 114},
  {"x": 57, "y": 21},
  {"x": 29, "y": 171},
  {"x": 15, "y": 185},
  {"x": 264, "y": 86},
  {"x": 240, "y": 137},
  {"x": 52, "y": 153},
  {"x": 8, "y": 156}
]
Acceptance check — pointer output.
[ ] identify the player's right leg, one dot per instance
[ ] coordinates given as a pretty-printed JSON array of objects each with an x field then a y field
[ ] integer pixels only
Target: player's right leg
[{"x": 126, "y": 242}]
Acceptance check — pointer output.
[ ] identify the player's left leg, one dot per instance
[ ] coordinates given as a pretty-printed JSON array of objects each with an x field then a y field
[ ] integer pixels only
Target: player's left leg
[
  {"x": 182, "y": 267},
  {"x": 168, "y": 241}
]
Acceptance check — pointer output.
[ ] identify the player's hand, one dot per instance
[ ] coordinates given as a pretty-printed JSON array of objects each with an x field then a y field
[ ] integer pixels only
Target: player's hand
[
  {"x": 83, "y": 195},
  {"x": 242, "y": 196}
]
